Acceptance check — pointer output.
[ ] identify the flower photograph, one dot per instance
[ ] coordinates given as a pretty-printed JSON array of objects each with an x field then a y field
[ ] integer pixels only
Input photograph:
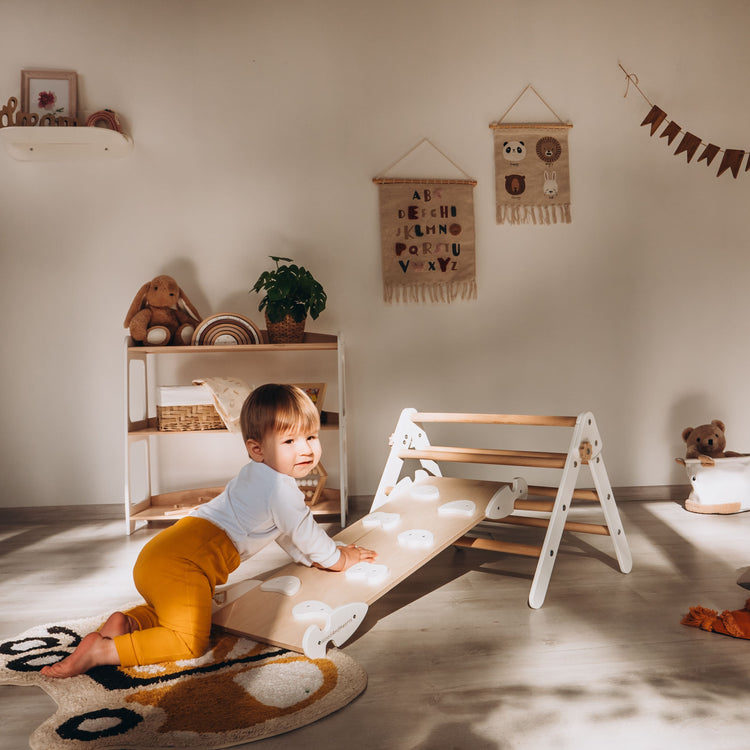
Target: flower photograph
[{"x": 49, "y": 92}]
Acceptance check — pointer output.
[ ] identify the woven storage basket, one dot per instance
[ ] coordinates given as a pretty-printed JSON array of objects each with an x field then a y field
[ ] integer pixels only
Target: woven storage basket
[
  {"x": 192, "y": 417},
  {"x": 286, "y": 331}
]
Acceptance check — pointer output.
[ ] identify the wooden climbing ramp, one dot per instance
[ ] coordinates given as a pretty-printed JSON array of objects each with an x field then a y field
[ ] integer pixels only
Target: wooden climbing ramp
[{"x": 412, "y": 520}]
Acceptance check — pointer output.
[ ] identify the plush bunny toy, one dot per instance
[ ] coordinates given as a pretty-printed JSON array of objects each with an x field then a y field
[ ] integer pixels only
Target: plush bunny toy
[{"x": 161, "y": 314}]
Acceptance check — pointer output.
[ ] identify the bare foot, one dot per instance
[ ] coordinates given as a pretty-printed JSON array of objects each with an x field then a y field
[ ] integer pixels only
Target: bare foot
[
  {"x": 93, "y": 651},
  {"x": 118, "y": 623}
]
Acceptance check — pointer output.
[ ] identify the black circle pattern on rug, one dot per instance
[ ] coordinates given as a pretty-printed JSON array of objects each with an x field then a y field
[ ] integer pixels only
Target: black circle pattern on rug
[
  {"x": 123, "y": 721},
  {"x": 35, "y": 651}
]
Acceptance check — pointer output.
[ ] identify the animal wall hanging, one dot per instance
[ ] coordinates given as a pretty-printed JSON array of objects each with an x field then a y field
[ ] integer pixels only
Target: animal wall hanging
[
  {"x": 689, "y": 144},
  {"x": 532, "y": 170},
  {"x": 427, "y": 235}
]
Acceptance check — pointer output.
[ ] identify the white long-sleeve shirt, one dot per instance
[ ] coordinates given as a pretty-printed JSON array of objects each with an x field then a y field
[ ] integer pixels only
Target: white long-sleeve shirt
[{"x": 261, "y": 505}]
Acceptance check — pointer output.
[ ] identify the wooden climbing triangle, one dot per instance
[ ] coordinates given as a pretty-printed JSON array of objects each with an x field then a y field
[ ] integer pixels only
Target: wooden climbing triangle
[{"x": 410, "y": 442}]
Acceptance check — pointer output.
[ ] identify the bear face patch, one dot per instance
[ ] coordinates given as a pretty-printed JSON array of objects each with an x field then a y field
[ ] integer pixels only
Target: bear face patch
[{"x": 515, "y": 184}]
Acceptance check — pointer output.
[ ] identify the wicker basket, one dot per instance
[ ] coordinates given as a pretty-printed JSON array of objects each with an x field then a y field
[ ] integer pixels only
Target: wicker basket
[
  {"x": 286, "y": 331},
  {"x": 192, "y": 417}
]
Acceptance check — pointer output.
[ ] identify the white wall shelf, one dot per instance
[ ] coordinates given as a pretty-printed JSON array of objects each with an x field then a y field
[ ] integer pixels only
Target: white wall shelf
[{"x": 58, "y": 143}]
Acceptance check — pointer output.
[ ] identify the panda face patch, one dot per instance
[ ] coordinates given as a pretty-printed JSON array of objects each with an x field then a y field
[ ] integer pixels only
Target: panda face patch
[{"x": 514, "y": 151}]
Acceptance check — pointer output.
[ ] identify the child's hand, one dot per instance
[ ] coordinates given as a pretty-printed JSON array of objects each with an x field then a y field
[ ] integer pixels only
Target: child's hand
[{"x": 350, "y": 555}]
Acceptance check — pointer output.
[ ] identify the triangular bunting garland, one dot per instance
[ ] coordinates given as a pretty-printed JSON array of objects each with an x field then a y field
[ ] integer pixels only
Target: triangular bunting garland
[{"x": 690, "y": 143}]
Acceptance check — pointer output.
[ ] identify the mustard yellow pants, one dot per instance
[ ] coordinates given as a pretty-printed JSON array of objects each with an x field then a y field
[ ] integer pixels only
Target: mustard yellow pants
[{"x": 176, "y": 573}]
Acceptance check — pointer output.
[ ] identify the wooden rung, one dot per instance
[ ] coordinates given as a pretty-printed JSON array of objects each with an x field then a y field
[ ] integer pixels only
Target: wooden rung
[
  {"x": 535, "y": 490},
  {"x": 517, "y": 419},
  {"x": 487, "y": 456},
  {"x": 541, "y": 506},
  {"x": 493, "y": 545},
  {"x": 578, "y": 526}
]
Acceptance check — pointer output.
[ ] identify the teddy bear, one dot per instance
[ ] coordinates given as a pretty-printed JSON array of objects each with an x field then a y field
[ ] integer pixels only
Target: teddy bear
[
  {"x": 161, "y": 314},
  {"x": 707, "y": 442}
]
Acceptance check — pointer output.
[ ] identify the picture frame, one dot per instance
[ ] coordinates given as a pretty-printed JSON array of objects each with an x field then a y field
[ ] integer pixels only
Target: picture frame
[
  {"x": 49, "y": 92},
  {"x": 316, "y": 392}
]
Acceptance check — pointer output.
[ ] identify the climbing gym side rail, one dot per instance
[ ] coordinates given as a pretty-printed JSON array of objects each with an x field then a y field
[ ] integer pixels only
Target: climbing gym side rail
[{"x": 410, "y": 442}]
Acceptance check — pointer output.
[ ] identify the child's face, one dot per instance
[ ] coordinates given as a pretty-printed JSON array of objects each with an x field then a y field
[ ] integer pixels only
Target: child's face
[{"x": 293, "y": 453}]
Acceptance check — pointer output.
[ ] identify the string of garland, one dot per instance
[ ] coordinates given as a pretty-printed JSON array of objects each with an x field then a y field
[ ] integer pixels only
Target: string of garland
[{"x": 690, "y": 143}]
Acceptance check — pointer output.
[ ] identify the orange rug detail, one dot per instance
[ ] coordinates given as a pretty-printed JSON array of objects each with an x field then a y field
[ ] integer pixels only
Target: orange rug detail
[{"x": 735, "y": 622}]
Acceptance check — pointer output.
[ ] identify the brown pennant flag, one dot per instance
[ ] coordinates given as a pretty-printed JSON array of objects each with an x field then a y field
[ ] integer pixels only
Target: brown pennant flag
[
  {"x": 654, "y": 118},
  {"x": 671, "y": 132},
  {"x": 689, "y": 145},
  {"x": 732, "y": 160},
  {"x": 709, "y": 153}
]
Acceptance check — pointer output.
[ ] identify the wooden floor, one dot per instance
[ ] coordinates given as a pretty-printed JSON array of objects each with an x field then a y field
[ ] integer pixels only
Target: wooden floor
[{"x": 455, "y": 657}]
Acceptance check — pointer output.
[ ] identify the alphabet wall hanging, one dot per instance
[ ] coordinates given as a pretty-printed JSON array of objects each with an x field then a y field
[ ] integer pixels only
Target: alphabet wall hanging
[
  {"x": 427, "y": 235},
  {"x": 689, "y": 143},
  {"x": 532, "y": 170}
]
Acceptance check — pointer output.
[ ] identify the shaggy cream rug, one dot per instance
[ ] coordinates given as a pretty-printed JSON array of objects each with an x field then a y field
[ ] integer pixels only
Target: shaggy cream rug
[{"x": 240, "y": 691}]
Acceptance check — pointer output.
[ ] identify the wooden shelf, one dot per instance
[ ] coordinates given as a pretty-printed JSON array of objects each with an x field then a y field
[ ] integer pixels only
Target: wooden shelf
[
  {"x": 331, "y": 423},
  {"x": 58, "y": 143},
  {"x": 171, "y": 506},
  {"x": 143, "y": 427},
  {"x": 312, "y": 342}
]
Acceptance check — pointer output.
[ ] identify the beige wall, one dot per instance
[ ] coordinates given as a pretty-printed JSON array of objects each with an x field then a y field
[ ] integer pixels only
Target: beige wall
[{"x": 258, "y": 127}]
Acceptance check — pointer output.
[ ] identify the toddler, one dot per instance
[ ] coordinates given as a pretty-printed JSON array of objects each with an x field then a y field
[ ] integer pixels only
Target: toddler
[{"x": 178, "y": 570}]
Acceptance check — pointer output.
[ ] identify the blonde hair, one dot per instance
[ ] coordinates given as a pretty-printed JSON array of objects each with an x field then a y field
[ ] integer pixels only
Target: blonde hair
[{"x": 274, "y": 408}]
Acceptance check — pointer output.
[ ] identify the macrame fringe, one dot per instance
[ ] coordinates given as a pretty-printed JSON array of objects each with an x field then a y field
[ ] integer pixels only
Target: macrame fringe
[
  {"x": 557, "y": 214},
  {"x": 448, "y": 292},
  {"x": 700, "y": 617},
  {"x": 730, "y": 622}
]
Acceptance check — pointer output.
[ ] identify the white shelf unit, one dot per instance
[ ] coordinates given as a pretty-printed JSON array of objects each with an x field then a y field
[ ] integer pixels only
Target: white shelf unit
[
  {"x": 59, "y": 143},
  {"x": 145, "y": 370}
]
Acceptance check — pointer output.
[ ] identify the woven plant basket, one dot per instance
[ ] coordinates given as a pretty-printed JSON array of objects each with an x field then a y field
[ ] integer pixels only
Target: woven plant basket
[
  {"x": 188, "y": 417},
  {"x": 286, "y": 331}
]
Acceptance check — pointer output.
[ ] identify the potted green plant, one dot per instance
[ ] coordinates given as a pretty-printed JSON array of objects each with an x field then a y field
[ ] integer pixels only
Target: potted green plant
[{"x": 291, "y": 293}]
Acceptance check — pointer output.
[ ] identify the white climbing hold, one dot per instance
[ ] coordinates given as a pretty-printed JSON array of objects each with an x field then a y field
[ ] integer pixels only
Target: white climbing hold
[
  {"x": 416, "y": 539},
  {"x": 286, "y": 585},
  {"x": 379, "y": 518},
  {"x": 458, "y": 508},
  {"x": 369, "y": 572}
]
